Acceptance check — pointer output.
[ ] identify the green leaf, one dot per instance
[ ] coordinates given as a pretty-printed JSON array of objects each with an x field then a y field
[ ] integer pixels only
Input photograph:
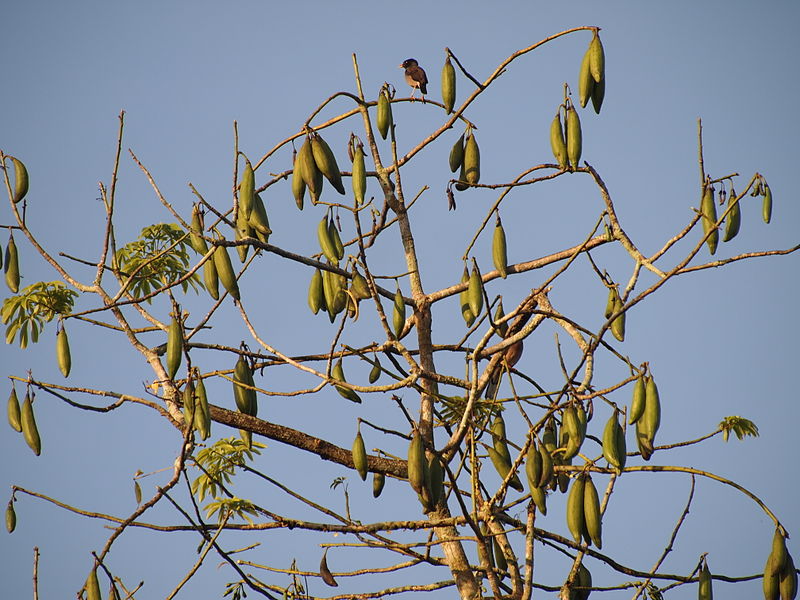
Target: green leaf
[
  {"x": 27, "y": 312},
  {"x": 219, "y": 463},
  {"x": 739, "y": 425},
  {"x": 159, "y": 257}
]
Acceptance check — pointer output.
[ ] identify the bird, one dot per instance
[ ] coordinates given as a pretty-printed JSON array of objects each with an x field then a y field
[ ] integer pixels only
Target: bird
[{"x": 415, "y": 76}]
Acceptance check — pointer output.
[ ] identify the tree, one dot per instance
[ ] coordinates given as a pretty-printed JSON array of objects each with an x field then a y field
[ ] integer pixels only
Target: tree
[{"x": 479, "y": 442}]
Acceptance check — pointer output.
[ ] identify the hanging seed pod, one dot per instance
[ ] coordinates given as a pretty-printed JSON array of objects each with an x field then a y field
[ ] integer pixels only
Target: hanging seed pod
[
  {"x": 597, "y": 58},
  {"x": 326, "y": 162},
  {"x": 417, "y": 465},
  {"x": 247, "y": 190},
  {"x": 614, "y": 450},
  {"x": 547, "y": 465},
  {"x": 734, "y": 218},
  {"x": 618, "y": 324},
  {"x": 312, "y": 176},
  {"x": 326, "y": 243},
  {"x": 766, "y": 205},
  {"x": 436, "y": 480},
  {"x": 11, "y": 517},
  {"x": 462, "y": 184},
  {"x": 12, "y": 265},
  {"x": 571, "y": 429},
  {"x": 466, "y": 311},
  {"x": 325, "y": 572},
  {"x": 585, "y": 79},
  {"x": 499, "y": 556},
  {"x": 337, "y": 241},
  {"x": 499, "y": 250},
  {"x": 584, "y": 582},
  {"x": 188, "y": 400},
  {"x": 384, "y": 113},
  {"x": 475, "y": 291},
  {"x": 772, "y": 579},
  {"x": 472, "y": 160},
  {"x": 337, "y": 373},
  {"x": 378, "y": 481},
  {"x": 704, "y": 591},
  {"x": 20, "y": 180},
  {"x": 613, "y": 294},
  {"x": 533, "y": 466},
  {"x": 448, "y": 85},
  {"x": 788, "y": 582},
  {"x": 575, "y": 506},
  {"x": 243, "y": 384},
  {"x": 591, "y": 513},
  {"x": 243, "y": 231},
  {"x": 539, "y": 497},
  {"x": 359, "y": 178},
  {"x": 598, "y": 93},
  {"x": 360, "y": 456},
  {"x": 557, "y": 143},
  {"x": 359, "y": 286},
  {"x": 202, "y": 415},
  {"x": 708, "y": 211},
  {"x": 375, "y": 372},
  {"x": 29, "y": 430},
  {"x": 196, "y": 232},
  {"x": 225, "y": 272},
  {"x": 63, "y": 356},
  {"x": 503, "y": 468},
  {"x": 258, "y": 221},
  {"x": 637, "y": 403},
  {"x": 456, "y": 158},
  {"x": 13, "y": 410},
  {"x": 210, "y": 278},
  {"x": 398, "y": 314},
  {"x": 499, "y": 314},
  {"x": 574, "y": 137},
  {"x": 316, "y": 294},
  {"x": 174, "y": 346},
  {"x": 92, "y": 586},
  {"x": 298, "y": 182}
]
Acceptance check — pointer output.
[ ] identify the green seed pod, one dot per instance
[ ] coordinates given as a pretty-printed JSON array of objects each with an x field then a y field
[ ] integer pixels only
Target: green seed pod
[
  {"x": 375, "y": 372},
  {"x": 378, "y": 481},
  {"x": 13, "y": 410},
  {"x": 243, "y": 384},
  {"x": 210, "y": 278},
  {"x": 326, "y": 162},
  {"x": 29, "y": 430},
  {"x": 583, "y": 581},
  {"x": 766, "y": 205},
  {"x": 598, "y": 93},
  {"x": 597, "y": 58},
  {"x": 188, "y": 399},
  {"x": 20, "y": 180},
  {"x": 398, "y": 314},
  {"x": 591, "y": 513},
  {"x": 312, "y": 176},
  {"x": 708, "y": 211},
  {"x": 466, "y": 311},
  {"x": 533, "y": 466},
  {"x": 475, "y": 292},
  {"x": 472, "y": 160},
  {"x": 298, "y": 183},
  {"x": 243, "y": 231},
  {"x": 503, "y": 468},
  {"x": 316, "y": 294},
  {"x": 575, "y": 506},
  {"x": 174, "y": 347},
  {"x": 196, "y": 240},
  {"x": 499, "y": 556},
  {"x": 417, "y": 464},
  {"x": 456, "y": 158},
  {"x": 337, "y": 373},
  {"x": 618, "y": 324},
  {"x": 337, "y": 241},
  {"x": 734, "y": 218},
  {"x": 384, "y": 113},
  {"x": 247, "y": 190},
  {"x": 326, "y": 243},
  {"x": 12, "y": 265},
  {"x": 499, "y": 249},
  {"x": 539, "y": 497},
  {"x": 651, "y": 419},
  {"x": 614, "y": 449},
  {"x": 637, "y": 403},
  {"x": 359, "y": 178},
  {"x": 11, "y": 517},
  {"x": 557, "y": 143},
  {"x": 436, "y": 480},
  {"x": 613, "y": 294},
  {"x": 225, "y": 272},
  {"x": 63, "y": 355},
  {"x": 259, "y": 221},
  {"x": 92, "y": 586},
  {"x": 788, "y": 581},
  {"x": 360, "y": 456},
  {"x": 585, "y": 80},
  {"x": 779, "y": 552},
  {"x": 574, "y": 137},
  {"x": 571, "y": 430},
  {"x": 202, "y": 416},
  {"x": 772, "y": 579},
  {"x": 704, "y": 591},
  {"x": 499, "y": 314},
  {"x": 448, "y": 85},
  {"x": 547, "y": 465},
  {"x": 359, "y": 286}
]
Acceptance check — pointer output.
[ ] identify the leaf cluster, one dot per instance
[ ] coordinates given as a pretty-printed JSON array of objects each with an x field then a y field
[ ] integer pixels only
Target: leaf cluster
[{"x": 27, "y": 312}]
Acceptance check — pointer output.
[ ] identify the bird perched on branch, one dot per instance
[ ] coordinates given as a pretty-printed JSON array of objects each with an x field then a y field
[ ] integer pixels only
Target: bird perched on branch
[{"x": 415, "y": 76}]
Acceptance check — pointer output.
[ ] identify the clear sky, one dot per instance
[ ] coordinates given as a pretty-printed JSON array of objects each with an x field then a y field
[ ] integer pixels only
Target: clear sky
[{"x": 721, "y": 342}]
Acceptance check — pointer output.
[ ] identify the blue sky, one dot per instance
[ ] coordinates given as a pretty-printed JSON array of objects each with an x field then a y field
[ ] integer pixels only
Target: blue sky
[{"x": 720, "y": 342}]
